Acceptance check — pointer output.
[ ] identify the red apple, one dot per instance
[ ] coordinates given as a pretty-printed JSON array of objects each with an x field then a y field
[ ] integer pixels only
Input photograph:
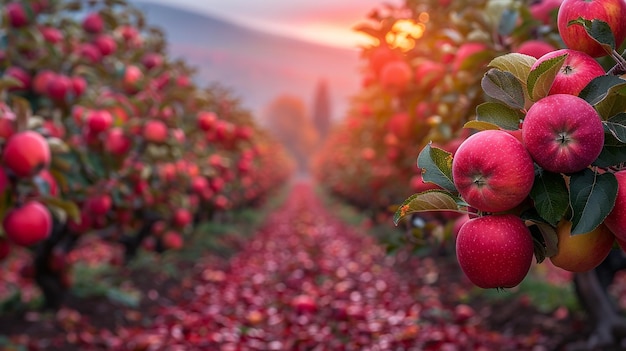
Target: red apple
[
  {"x": 464, "y": 52},
  {"x": 58, "y": 87},
  {"x": 152, "y": 60},
  {"x": 155, "y": 131},
  {"x": 495, "y": 251},
  {"x": 16, "y": 14},
  {"x": 545, "y": 10},
  {"x": 429, "y": 74},
  {"x": 182, "y": 217},
  {"x": 21, "y": 75},
  {"x": 51, "y": 34},
  {"x": 26, "y": 153},
  {"x": 563, "y": 133},
  {"x": 492, "y": 171},
  {"x": 575, "y": 37},
  {"x": 90, "y": 52},
  {"x": 577, "y": 71},
  {"x": 206, "y": 120},
  {"x": 117, "y": 142},
  {"x": 172, "y": 240},
  {"x": 106, "y": 44},
  {"x": 93, "y": 23},
  {"x": 99, "y": 205},
  {"x": 98, "y": 121},
  {"x": 28, "y": 224},
  {"x": 616, "y": 220},
  {"x": 582, "y": 252},
  {"x": 79, "y": 84},
  {"x": 41, "y": 80},
  {"x": 395, "y": 76},
  {"x": 535, "y": 48}
]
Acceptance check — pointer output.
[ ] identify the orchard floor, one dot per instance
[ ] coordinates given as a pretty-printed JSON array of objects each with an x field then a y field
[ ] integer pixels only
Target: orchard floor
[{"x": 304, "y": 281}]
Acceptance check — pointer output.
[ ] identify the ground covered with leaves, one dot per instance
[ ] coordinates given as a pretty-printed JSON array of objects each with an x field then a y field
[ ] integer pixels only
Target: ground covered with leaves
[{"x": 304, "y": 280}]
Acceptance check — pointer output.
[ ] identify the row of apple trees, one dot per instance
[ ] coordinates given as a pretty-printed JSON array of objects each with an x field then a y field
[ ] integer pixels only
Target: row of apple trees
[
  {"x": 102, "y": 133},
  {"x": 422, "y": 83}
]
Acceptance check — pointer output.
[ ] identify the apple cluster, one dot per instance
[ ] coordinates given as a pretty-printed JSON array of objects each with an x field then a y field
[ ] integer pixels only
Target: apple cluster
[
  {"x": 542, "y": 173},
  {"x": 101, "y": 134}
]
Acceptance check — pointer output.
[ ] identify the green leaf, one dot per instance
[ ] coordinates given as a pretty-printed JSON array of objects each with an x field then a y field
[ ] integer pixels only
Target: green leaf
[
  {"x": 436, "y": 165},
  {"x": 480, "y": 125},
  {"x": 598, "y": 30},
  {"x": 69, "y": 207},
  {"x": 430, "y": 200},
  {"x": 541, "y": 78},
  {"x": 517, "y": 64},
  {"x": 499, "y": 114},
  {"x": 592, "y": 197},
  {"x": 544, "y": 234},
  {"x": 606, "y": 94},
  {"x": 550, "y": 195},
  {"x": 599, "y": 88},
  {"x": 504, "y": 87},
  {"x": 617, "y": 127},
  {"x": 613, "y": 152}
]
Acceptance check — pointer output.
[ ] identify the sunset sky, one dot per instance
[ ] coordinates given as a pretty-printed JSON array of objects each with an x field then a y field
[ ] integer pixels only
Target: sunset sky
[{"x": 325, "y": 21}]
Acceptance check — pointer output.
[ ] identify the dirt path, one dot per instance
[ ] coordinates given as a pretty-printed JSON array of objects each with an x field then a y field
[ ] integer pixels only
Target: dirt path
[{"x": 308, "y": 282}]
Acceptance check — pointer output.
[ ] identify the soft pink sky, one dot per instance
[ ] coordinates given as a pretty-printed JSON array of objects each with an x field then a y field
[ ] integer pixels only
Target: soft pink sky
[{"x": 325, "y": 21}]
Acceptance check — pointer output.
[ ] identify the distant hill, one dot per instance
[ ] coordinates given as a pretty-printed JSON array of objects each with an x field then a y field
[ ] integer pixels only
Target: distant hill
[{"x": 256, "y": 65}]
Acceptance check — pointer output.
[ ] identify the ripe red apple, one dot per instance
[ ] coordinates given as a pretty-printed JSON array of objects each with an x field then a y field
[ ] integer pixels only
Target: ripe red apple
[
  {"x": 577, "y": 71},
  {"x": 41, "y": 80},
  {"x": 98, "y": 121},
  {"x": 465, "y": 51},
  {"x": 172, "y": 240},
  {"x": 400, "y": 125},
  {"x": 7, "y": 127},
  {"x": 99, "y": 205},
  {"x": 616, "y": 220},
  {"x": 182, "y": 217},
  {"x": 117, "y": 142},
  {"x": 155, "y": 131},
  {"x": 492, "y": 171},
  {"x": 429, "y": 74},
  {"x": 396, "y": 75},
  {"x": 575, "y": 37},
  {"x": 58, "y": 87},
  {"x": 26, "y": 153},
  {"x": 495, "y": 251},
  {"x": 90, "y": 52},
  {"x": 79, "y": 84},
  {"x": 28, "y": 224},
  {"x": 152, "y": 60},
  {"x": 16, "y": 14},
  {"x": 535, "y": 48},
  {"x": 93, "y": 23},
  {"x": 21, "y": 75},
  {"x": 51, "y": 34},
  {"x": 380, "y": 56},
  {"x": 563, "y": 133},
  {"x": 106, "y": 44},
  {"x": 132, "y": 78},
  {"x": 544, "y": 10},
  {"x": 582, "y": 252},
  {"x": 206, "y": 120}
]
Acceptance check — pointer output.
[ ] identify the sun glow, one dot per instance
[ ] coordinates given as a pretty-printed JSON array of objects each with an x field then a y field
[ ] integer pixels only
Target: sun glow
[{"x": 405, "y": 32}]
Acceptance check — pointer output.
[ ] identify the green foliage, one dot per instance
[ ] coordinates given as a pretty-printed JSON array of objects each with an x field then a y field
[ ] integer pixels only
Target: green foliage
[
  {"x": 504, "y": 87},
  {"x": 550, "y": 196},
  {"x": 431, "y": 200},
  {"x": 592, "y": 197},
  {"x": 436, "y": 166},
  {"x": 540, "y": 79}
]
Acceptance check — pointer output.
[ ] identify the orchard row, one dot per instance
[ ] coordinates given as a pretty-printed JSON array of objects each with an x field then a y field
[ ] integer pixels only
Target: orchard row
[{"x": 102, "y": 133}]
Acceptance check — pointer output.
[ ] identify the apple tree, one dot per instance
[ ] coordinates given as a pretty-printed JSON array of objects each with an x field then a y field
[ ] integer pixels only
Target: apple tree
[
  {"x": 542, "y": 172},
  {"x": 103, "y": 135}
]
